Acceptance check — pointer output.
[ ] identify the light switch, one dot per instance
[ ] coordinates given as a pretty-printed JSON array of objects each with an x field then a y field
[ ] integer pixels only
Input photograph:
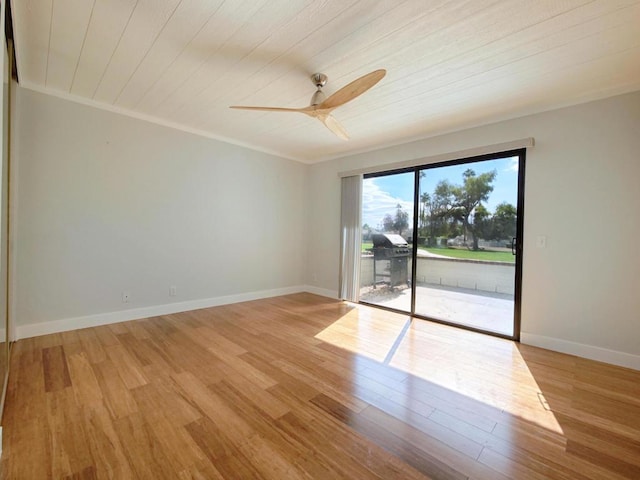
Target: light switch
[{"x": 541, "y": 241}]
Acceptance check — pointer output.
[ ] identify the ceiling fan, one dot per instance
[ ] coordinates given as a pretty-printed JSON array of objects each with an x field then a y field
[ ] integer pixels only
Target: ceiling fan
[{"x": 321, "y": 106}]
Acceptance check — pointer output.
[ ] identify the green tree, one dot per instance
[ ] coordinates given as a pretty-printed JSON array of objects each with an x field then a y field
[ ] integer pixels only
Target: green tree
[
  {"x": 474, "y": 190},
  {"x": 396, "y": 223},
  {"x": 425, "y": 214},
  {"x": 482, "y": 222},
  {"x": 366, "y": 232},
  {"x": 443, "y": 211},
  {"x": 504, "y": 221},
  {"x": 387, "y": 223}
]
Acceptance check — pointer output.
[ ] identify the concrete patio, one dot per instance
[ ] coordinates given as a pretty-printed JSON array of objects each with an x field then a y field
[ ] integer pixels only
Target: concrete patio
[{"x": 484, "y": 310}]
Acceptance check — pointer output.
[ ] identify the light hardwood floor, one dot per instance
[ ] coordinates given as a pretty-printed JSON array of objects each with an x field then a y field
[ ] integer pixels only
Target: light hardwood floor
[{"x": 303, "y": 386}]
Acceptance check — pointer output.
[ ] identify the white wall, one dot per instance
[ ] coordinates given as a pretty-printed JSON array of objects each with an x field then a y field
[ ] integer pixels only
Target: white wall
[
  {"x": 108, "y": 203},
  {"x": 581, "y": 294}
]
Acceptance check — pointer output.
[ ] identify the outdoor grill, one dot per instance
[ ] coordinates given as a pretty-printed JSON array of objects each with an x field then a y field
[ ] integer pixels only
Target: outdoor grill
[{"x": 395, "y": 250}]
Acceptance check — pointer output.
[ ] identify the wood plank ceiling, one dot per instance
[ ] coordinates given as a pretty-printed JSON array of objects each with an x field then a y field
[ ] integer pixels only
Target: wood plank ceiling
[{"x": 451, "y": 64}]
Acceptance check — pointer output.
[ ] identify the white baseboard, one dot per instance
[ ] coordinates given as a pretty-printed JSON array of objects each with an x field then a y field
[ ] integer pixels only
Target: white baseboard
[
  {"x": 591, "y": 352},
  {"x": 35, "y": 329},
  {"x": 66, "y": 324},
  {"x": 323, "y": 292}
]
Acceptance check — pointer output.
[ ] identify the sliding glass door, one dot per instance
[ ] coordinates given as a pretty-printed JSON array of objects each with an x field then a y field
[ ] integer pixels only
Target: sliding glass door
[
  {"x": 387, "y": 238},
  {"x": 465, "y": 266},
  {"x": 442, "y": 242}
]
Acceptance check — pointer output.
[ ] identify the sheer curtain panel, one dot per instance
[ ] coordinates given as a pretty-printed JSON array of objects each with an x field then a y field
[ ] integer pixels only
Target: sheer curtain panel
[{"x": 350, "y": 238}]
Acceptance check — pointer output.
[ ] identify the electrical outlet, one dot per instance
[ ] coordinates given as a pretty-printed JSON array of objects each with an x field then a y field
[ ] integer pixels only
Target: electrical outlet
[
  {"x": 173, "y": 291},
  {"x": 125, "y": 297}
]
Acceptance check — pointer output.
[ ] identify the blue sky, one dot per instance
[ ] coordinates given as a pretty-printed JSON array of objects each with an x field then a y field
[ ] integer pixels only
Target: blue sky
[{"x": 381, "y": 194}]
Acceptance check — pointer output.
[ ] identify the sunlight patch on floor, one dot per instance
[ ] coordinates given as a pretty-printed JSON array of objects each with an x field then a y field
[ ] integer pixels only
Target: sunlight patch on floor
[
  {"x": 447, "y": 357},
  {"x": 365, "y": 331}
]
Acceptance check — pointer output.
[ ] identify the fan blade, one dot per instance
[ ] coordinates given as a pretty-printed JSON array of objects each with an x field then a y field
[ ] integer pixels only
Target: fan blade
[
  {"x": 353, "y": 90},
  {"x": 332, "y": 124},
  {"x": 271, "y": 109}
]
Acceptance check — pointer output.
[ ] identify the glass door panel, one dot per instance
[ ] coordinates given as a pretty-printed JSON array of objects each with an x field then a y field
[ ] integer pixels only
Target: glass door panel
[
  {"x": 465, "y": 264},
  {"x": 387, "y": 236}
]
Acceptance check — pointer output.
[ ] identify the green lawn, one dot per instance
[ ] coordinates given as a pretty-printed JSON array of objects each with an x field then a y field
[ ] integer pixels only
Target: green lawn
[{"x": 488, "y": 255}]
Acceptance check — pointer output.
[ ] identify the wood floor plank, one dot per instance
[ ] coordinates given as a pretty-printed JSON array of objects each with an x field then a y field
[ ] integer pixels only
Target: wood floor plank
[
  {"x": 246, "y": 370},
  {"x": 117, "y": 396},
  {"x": 84, "y": 380},
  {"x": 26, "y": 389},
  {"x": 70, "y": 337},
  {"x": 161, "y": 363},
  {"x": 511, "y": 468},
  {"x": 136, "y": 328},
  {"x": 603, "y": 440},
  {"x": 178, "y": 447},
  {"x": 337, "y": 450},
  {"x": 304, "y": 387},
  {"x": 27, "y": 450},
  {"x": 284, "y": 445},
  {"x": 107, "y": 449},
  {"x": 127, "y": 367},
  {"x": 236, "y": 428},
  {"x": 320, "y": 384},
  {"x": 185, "y": 356},
  {"x": 48, "y": 341},
  {"x": 89, "y": 473},
  {"x": 106, "y": 336},
  {"x": 625, "y": 467},
  {"x": 134, "y": 347},
  {"x": 410, "y": 444},
  {"x": 119, "y": 328},
  {"x": 168, "y": 398},
  {"x": 144, "y": 455},
  {"x": 91, "y": 344},
  {"x": 56, "y": 370},
  {"x": 70, "y": 452},
  {"x": 201, "y": 471},
  {"x": 298, "y": 388},
  {"x": 270, "y": 462},
  {"x": 211, "y": 440}
]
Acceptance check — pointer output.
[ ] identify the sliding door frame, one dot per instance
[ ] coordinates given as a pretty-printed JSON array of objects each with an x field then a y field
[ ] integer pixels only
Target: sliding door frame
[{"x": 521, "y": 153}]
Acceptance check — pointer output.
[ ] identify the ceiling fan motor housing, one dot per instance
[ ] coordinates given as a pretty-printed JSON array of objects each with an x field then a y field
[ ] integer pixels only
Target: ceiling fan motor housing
[
  {"x": 318, "y": 97},
  {"x": 319, "y": 80}
]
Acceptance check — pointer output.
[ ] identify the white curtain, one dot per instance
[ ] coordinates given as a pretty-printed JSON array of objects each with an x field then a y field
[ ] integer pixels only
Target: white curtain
[{"x": 350, "y": 238}]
